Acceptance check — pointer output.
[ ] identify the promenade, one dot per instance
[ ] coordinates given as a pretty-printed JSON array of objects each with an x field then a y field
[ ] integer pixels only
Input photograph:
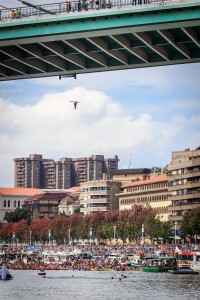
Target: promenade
[{"x": 92, "y": 257}]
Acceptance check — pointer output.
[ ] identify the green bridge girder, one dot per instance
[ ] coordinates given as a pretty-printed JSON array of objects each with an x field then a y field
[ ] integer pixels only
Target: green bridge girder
[{"x": 96, "y": 41}]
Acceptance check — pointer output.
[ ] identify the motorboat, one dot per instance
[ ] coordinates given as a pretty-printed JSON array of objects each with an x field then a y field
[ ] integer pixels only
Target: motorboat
[
  {"x": 4, "y": 273},
  {"x": 183, "y": 267}
]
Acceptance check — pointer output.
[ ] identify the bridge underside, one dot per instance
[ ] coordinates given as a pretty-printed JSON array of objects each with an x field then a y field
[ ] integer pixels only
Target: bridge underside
[{"x": 100, "y": 41}]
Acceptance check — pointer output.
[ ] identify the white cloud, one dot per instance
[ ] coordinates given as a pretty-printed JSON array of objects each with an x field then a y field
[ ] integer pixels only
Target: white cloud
[{"x": 100, "y": 124}]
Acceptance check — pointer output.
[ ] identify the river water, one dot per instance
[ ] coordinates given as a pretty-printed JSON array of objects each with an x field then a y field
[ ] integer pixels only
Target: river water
[{"x": 99, "y": 285}]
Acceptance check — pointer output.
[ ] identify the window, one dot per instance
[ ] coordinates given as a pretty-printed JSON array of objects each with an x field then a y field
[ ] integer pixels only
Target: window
[
  {"x": 4, "y": 203},
  {"x": 18, "y": 203},
  {"x": 15, "y": 203}
]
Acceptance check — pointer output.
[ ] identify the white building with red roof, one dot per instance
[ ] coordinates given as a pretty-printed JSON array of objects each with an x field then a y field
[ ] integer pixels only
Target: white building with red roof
[{"x": 11, "y": 198}]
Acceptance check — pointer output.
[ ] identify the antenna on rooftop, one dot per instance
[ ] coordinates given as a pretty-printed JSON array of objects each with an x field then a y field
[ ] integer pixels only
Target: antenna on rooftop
[{"x": 130, "y": 162}]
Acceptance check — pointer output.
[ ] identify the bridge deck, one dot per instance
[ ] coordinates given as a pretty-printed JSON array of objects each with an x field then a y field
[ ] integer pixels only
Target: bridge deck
[{"x": 120, "y": 38}]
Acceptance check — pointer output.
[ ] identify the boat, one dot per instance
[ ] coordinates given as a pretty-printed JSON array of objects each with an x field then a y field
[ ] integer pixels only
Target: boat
[
  {"x": 42, "y": 272},
  {"x": 193, "y": 257},
  {"x": 4, "y": 273},
  {"x": 158, "y": 264},
  {"x": 136, "y": 261},
  {"x": 183, "y": 267}
]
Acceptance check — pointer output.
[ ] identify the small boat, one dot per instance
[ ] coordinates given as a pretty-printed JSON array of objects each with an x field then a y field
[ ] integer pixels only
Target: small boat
[
  {"x": 4, "y": 273},
  {"x": 157, "y": 264},
  {"x": 183, "y": 267},
  {"x": 42, "y": 272}
]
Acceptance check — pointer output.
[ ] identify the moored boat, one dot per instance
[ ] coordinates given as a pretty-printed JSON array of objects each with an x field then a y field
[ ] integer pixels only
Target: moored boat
[
  {"x": 4, "y": 273},
  {"x": 158, "y": 264},
  {"x": 193, "y": 257},
  {"x": 183, "y": 267}
]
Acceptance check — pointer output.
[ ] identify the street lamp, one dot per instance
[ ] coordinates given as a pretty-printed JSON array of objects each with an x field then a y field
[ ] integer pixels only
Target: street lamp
[
  {"x": 143, "y": 234},
  {"x": 114, "y": 232},
  {"x": 13, "y": 237},
  {"x": 175, "y": 224},
  {"x": 69, "y": 236},
  {"x": 90, "y": 235},
  {"x": 49, "y": 236},
  {"x": 30, "y": 237}
]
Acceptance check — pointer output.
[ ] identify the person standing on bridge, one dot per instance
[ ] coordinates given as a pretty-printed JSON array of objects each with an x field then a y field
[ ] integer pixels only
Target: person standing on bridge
[
  {"x": 109, "y": 5},
  {"x": 12, "y": 14},
  {"x": 17, "y": 13},
  {"x": 67, "y": 6}
]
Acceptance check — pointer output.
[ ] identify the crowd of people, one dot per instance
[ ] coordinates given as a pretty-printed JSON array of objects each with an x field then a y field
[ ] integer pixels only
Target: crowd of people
[{"x": 90, "y": 257}]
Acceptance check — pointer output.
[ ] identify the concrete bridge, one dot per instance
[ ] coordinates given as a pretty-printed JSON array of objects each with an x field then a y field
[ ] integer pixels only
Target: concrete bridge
[{"x": 53, "y": 42}]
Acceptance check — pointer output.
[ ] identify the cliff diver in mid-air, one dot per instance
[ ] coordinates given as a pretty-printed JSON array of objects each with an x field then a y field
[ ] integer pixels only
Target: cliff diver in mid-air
[{"x": 75, "y": 103}]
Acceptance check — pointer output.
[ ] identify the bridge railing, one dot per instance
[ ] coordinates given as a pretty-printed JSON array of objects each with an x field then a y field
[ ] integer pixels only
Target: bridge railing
[{"x": 78, "y": 6}]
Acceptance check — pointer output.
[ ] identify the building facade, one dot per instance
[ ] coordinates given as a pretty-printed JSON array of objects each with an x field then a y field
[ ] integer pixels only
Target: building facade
[
  {"x": 45, "y": 205},
  {"x": 36, "y": 172},
  {"x": 99, "y": 195},
  {"x": 152, "y": 192},
  {"x": 11, "y": 198},
  {"x": 131, "y": 174},
  {"x": 184, "y": 183}
]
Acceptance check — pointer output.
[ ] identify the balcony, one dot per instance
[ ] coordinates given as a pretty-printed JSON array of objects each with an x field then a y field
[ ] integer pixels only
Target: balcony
[
  {"x": 183, "y": 206},
  {"x": 184, "y": 196},
  {"x": 195, "y": 162},
  {"x": 188, "y": 185},
  {"x": 175, "y": 218},
  {"x": 186, "y": 175}
]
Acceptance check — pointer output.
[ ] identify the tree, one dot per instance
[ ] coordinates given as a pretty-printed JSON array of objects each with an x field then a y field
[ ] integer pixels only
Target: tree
[
  {"x": 137, "y": 217},
  {"x": 153, "y": 225},
  {"x": 77, "y": 210},
  {"x": 60, "y": 227},
  {"x": 6, "y": 232},
  {"x": 190, "y": 224},
  {"x": 166, "y": 230},
  {"x": 122, "y": 225},
  {"x": 40, "y": 229},
  {"x": 20, "y": 229},
  {"x": 17, "y": 215}
]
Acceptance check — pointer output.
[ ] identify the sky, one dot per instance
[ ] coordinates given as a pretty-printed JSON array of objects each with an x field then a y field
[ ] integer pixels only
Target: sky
[{"x": 141, "y": 115}]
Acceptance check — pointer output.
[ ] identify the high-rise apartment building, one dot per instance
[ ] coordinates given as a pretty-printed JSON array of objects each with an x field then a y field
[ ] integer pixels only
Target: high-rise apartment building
[
  {"x": 184, "y": 183},
  {"x": 36, "y": 172}
]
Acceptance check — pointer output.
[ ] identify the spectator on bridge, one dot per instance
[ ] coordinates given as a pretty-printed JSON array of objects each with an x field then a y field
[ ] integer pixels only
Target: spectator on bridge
[
  {"x": 17, "y": 13},
  {"x": 12, "y": 14},
  {"x": 97, "y": 4},
  {"x": 79, "y": 6},
  {"x": 109, "y": 5},
  {"x": 68, "y": 6},
  {"x": 103, "y": 4}
]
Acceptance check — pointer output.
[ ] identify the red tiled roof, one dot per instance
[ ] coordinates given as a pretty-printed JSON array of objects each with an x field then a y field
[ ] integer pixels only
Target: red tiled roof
[
  {"x": 74, "y": 189},
  {"x": 159, "y": 178},
  {"x": 20, "y": 191}
]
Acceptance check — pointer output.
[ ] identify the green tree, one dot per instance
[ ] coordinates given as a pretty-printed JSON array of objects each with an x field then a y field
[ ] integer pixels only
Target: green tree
[
  {"x": 17, "y": 215},
  {"x": 190, "y": 224},
  {"x": 153, "y": 225},
  {"x": 166, "y": 230}
]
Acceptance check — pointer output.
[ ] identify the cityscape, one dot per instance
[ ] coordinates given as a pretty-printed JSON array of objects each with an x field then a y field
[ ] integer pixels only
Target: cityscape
[{"x": 100, "y": 152}]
